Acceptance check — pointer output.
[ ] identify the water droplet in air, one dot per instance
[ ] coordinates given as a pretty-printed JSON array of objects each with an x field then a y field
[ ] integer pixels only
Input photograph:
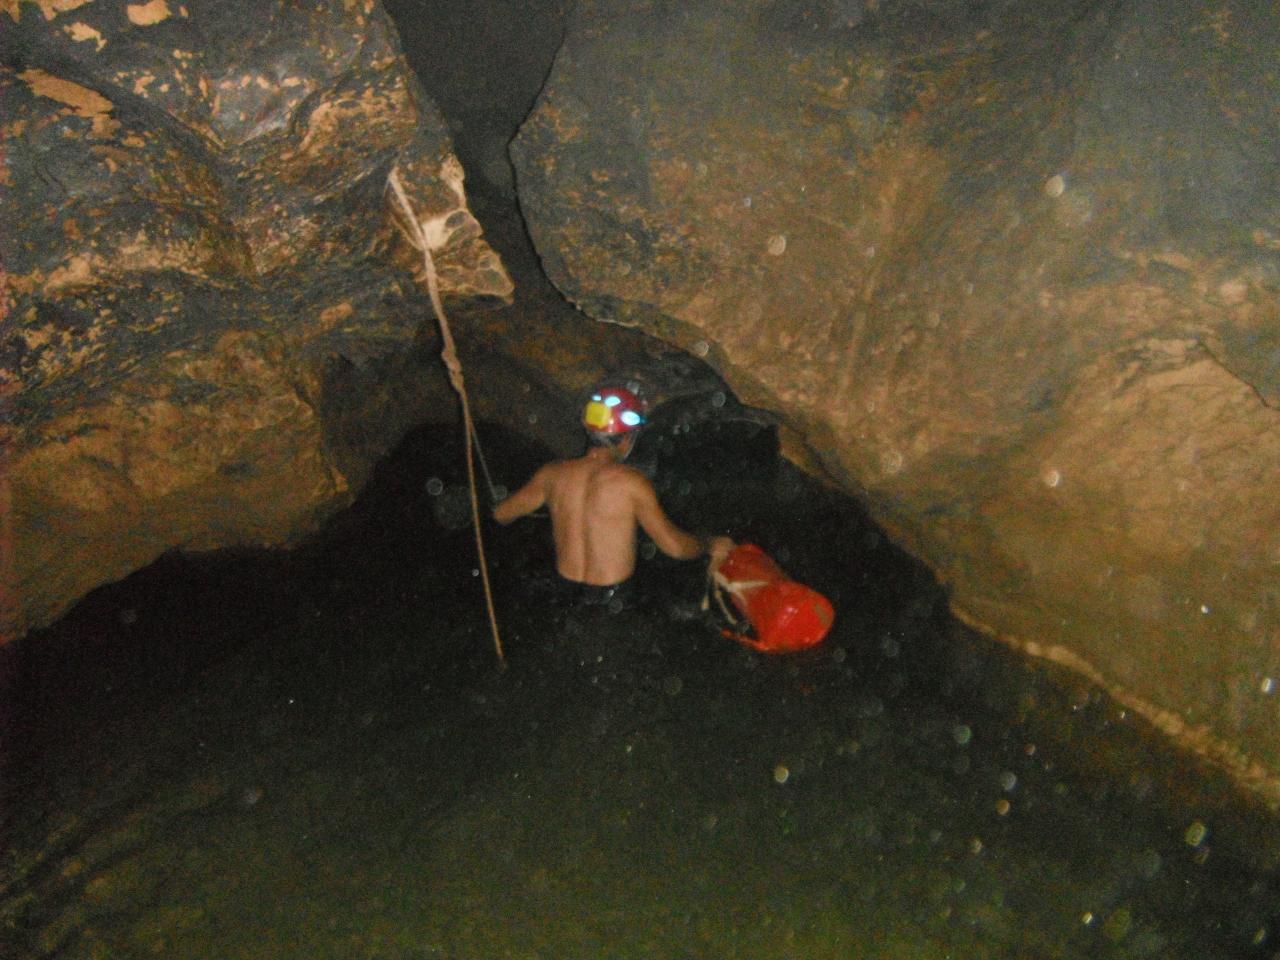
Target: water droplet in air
[
  {"x": 250, "y": 796},
  {"x": 1056, "y": 185},
  {"x": 962, "y": 734},
  {"x": 1195, "y": 834},
  {"x": 701, "y": 348},
  {"x": 781, "y": 774},
  {"x": 777, "y": 244},
  {"x": 1008, "y": 780},
  {"x": 718, "y": 398},
  {"x": 1118, "y": 925},
  {"x": 435, "y": 486},
  {"x": 1149, "y": 864},
  {"x": 452, "y": 508}
]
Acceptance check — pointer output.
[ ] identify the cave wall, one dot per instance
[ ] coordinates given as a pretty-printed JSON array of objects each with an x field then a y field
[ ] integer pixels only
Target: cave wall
[
  {"x": 212, "y": 330},
  {"x": 212, "y": 324},
  {"x": 1008, "y": 271}
]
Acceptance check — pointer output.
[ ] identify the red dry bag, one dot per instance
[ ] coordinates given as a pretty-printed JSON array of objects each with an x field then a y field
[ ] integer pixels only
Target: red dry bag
[{"x": 784, "y": 616}]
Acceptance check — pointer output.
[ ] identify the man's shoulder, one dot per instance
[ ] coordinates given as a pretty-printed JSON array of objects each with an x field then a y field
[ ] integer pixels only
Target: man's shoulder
[
  {"x": 559, "y": 466},
  {"x": 617, "y": 469},
  {"x": 579, "y": 468},
  {"x": 628, "y": 476}
]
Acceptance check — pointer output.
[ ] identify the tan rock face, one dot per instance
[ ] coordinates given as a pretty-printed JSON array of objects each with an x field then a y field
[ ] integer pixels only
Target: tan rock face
[
  {"x": 1014, "y": 282},
  {"x": 200, "y": 265}
]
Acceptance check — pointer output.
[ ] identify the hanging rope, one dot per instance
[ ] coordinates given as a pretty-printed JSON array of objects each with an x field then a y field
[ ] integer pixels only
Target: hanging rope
[
  {"x": 449, "y": 354},
  {"x": 484, "y": 468}
]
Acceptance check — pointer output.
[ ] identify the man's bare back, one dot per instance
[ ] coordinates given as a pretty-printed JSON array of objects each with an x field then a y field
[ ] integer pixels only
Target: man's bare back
[{"x": 596, "y": 504}]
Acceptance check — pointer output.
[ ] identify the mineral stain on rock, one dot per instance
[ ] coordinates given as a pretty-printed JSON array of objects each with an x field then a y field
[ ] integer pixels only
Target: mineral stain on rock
[{"x": 147, "y": 14}]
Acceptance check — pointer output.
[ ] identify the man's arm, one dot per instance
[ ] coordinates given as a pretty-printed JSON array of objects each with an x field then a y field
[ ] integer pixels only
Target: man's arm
[
  {"x": 524, "y": 501},
  {"x": 669, "y": 538}
]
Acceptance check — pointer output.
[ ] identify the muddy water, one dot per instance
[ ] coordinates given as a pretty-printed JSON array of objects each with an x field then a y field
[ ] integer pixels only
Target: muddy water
[{"x": 332, "y": 765}]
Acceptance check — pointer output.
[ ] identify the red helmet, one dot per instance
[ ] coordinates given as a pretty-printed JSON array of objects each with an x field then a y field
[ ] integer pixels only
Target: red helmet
[{"x": 612, "y": 411}]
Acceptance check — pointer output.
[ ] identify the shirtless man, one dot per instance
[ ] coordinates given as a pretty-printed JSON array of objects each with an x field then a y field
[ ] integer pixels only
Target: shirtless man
[{"x": 597, "y": 503}]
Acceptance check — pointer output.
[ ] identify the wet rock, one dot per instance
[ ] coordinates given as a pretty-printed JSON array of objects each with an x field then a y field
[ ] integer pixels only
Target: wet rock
[
  {"x": 1010, "y": 277},
  {"x": 205, "y": 284}
]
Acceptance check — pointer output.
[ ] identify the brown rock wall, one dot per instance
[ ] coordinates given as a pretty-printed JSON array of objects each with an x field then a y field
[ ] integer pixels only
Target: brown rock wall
[
  {"x": 196, "y": 246},
  {"x": 1011, "y": 275}
]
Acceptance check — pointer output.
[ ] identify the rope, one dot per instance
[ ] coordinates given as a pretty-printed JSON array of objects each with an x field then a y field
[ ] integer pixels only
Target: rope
[
  {"x": 484, "y": 467},
  {"x": 449, "y": 354},
  {"x": 717, "y": 586}
]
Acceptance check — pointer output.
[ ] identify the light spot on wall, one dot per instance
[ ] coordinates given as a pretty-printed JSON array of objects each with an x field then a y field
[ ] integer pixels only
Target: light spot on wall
[
  {"x": 891, "y": 462},
  {"x": 49, "y": 8},
  {"x": 81, "y": 32},
  {"x": 147, "y": 14}
]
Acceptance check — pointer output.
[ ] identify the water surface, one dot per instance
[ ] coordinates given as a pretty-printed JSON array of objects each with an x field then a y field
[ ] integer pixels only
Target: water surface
[{"x": 315, "y": 755}]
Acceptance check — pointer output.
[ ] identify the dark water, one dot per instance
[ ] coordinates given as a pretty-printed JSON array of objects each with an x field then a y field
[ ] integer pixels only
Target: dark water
[{"x": 314, "y": 755}]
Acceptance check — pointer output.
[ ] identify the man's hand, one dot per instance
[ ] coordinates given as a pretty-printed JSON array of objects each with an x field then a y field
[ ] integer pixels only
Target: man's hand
[{"x": 718, "y": 548}]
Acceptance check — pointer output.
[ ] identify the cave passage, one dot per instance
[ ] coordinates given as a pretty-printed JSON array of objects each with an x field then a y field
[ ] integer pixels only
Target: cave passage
[{"x": 314, "y": 754}]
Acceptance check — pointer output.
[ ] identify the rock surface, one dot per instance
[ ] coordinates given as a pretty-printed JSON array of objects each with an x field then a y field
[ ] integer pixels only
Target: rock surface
[
  {"x": 1010, "y": 273},
  {"x": 211, "y": 328}
]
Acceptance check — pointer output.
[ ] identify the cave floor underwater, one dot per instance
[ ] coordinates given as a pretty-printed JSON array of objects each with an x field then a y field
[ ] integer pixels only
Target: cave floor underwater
[{"x": 315, "y": 755}]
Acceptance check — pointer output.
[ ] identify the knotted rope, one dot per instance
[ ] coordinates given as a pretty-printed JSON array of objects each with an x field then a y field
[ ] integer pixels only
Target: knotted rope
[{"x": 449, "y": 354}]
